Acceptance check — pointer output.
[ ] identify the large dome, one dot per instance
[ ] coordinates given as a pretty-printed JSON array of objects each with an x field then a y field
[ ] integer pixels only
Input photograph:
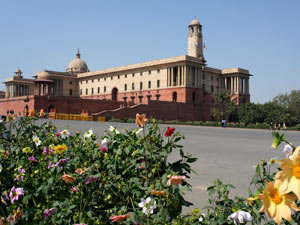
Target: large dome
[
  {"x": 77, "y": 65},
  {"x": 43, "y": 76}
]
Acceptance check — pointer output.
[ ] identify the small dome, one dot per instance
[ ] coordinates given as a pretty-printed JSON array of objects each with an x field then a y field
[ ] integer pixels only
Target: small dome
[
  {"x": 195, "y": 22},
  {"x": 77, "y": 65},
  {"x": 43, "y": 75}
]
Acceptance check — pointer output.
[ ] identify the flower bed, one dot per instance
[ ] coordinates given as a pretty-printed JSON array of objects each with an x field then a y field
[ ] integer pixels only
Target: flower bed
[{"x": 55, "y": 177}]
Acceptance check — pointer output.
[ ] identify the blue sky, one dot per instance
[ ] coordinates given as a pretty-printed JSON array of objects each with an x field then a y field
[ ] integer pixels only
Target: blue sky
[{"x": 261, "y": 36}]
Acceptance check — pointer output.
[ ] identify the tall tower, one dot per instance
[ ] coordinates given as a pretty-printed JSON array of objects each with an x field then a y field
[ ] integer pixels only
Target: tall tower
[{"x": 195, "y": 40}]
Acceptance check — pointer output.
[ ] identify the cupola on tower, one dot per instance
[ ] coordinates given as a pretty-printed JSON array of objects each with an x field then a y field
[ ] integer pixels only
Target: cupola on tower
[{"x": 195, "y": 40}]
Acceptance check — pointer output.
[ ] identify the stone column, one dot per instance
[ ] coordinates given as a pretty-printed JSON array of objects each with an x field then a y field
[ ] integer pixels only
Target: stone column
[
  {"x": 231, "y": 84},
  {"x": 184, "y": 75},
  {"x": 171, "y": 75},
  {"x": 225, "y": 81},
  {"x": 238, "y": 84}
]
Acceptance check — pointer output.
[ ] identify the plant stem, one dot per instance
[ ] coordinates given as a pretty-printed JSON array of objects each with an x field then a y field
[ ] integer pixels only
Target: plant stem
[{"x": 145, "y": 158}]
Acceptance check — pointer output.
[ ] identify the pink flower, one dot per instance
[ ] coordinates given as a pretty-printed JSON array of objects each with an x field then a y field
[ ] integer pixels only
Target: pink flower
[
  {"x": 15, "y": 193},
  {"x": 32, "y": 159},
  {"x": 74, "y": 189},
  {"x": 103, "y": 149},
  {"x": 62, "y": 162},
  {"x": 48, "y": 212},
  {"x": 3, "y": 201},
  {"x": 90, "y": 179}
]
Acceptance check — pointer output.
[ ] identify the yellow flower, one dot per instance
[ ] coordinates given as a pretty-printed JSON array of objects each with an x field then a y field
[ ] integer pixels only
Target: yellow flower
[
  {"x": 27, "y": 150},
  {"x": 276, "y": 204},
  {"x": 289, "y": 176},
  {"x": 10, "y": 117},
  {"x": 59, "y": 149}
]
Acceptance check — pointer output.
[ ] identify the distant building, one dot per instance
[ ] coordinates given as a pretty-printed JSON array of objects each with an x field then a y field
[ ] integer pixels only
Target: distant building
[
  {"x": 171, "y": 88},
  {"x": 2, "y": 94}
]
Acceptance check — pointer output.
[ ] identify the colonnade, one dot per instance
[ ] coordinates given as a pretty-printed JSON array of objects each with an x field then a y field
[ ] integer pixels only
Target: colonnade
[
  {"x": 43, "y": 88},
  {"x": 183, "y": 76},
  {"x": 15, "y": 90},
  {"x": 237, "y": 84}
]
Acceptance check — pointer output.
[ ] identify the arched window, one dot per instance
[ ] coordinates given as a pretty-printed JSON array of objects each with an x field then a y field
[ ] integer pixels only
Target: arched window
[
  {"x": 194, "y": 97},
  {"x": 149, "y": 84},
  {"x": 174, "y": 96},
  {"x": 158, "y": 83},
  {"x": 114, "y": 94}
]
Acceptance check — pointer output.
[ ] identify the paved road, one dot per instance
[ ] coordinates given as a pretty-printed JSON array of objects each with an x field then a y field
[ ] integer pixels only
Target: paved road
[{"x": 225, "y": 153}]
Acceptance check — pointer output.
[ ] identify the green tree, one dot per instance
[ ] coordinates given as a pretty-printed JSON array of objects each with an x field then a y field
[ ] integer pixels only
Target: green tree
[
  {"x": 222, "y": 105},
  {"x": 291, "y": 105},
  {"x": 251, "y": 113}
]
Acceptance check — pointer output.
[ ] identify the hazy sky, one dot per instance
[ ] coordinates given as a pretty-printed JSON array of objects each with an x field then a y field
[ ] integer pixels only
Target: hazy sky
[{"x": 261, "y": 36}]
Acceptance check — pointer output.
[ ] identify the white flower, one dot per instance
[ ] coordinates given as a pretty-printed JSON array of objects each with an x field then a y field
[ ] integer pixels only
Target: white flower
[
  {"x": 64, "y": 134},
  {"x": 88, "y": 134},
  {"x": 137, "y": 131},
  {"x": 273, "y": 160},
  {"x": 113, "y": 129},
  {"x": 104, "y": 141},
  {"x": 147, "y": 208},
  {"x": 288, "y": 149},
  {"x": 240, "y": 217},
  {"x": 36, "y": 140},
  {"x": 201, "y": 217}
]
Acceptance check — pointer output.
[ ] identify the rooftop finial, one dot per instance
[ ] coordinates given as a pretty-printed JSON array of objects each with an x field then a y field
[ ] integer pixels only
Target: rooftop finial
[{"x": 78, "y": 54}]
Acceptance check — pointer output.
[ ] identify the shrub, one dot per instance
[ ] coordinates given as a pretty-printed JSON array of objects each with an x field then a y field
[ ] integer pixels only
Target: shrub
[{"x": 67, "y": 179}]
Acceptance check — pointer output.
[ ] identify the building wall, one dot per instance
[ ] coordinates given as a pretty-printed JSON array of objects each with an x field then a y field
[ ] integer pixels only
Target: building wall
[
  {"x": 103, "y": 84},
  {"x": 164, "y": 111},
  {"x": 16, "y": 104}
]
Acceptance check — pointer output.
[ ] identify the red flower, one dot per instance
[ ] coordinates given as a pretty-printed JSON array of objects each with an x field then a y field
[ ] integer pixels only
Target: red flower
[{"x": 170, "y": 131}]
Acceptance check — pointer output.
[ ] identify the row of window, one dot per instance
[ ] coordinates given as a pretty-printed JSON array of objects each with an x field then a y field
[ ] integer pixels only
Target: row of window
[
  {"x": 211, "y": 78},
  {"x": 133, "y": 74},
  {"x": 125, "y": 87}
]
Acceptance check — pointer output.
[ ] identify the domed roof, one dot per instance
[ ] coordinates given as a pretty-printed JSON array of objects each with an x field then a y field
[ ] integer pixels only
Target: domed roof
[
  {"x": 195, "y": 22},
  {"x": 43, "y": 76},
  {"x": 77, "y": 65}
]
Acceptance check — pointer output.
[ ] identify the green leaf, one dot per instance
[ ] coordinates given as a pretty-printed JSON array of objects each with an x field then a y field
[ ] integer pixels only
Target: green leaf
[
  {"x": 181, "y": 153},
  {"x": 191, "y": 160}
]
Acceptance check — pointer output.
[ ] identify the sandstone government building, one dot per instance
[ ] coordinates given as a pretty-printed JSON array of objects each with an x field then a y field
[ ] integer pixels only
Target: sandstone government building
[{"x": 171, "y": 88}]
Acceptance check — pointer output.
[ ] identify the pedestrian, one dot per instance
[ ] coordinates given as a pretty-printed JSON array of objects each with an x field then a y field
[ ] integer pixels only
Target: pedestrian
[{"x": 271, "y": 125}]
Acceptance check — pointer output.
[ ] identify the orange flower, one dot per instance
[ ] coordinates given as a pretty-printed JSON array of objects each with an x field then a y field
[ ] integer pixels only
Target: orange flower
[
  {"x": 42, "y": 114},
  {"x": 81, "y": 171},
  {"x": 140, "y": 120},
  {"x": 158, "y": 193},
  {"x": 119, "y": 218},
  {"x": 31, "y": 114},
  {"x": 175, "y": 180},
  {"x": 289, "y": 176},
  {"x": 69, "y": 179},
  {"x": 276, "y": 204},
  {"x": 17, "y": 214}
]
